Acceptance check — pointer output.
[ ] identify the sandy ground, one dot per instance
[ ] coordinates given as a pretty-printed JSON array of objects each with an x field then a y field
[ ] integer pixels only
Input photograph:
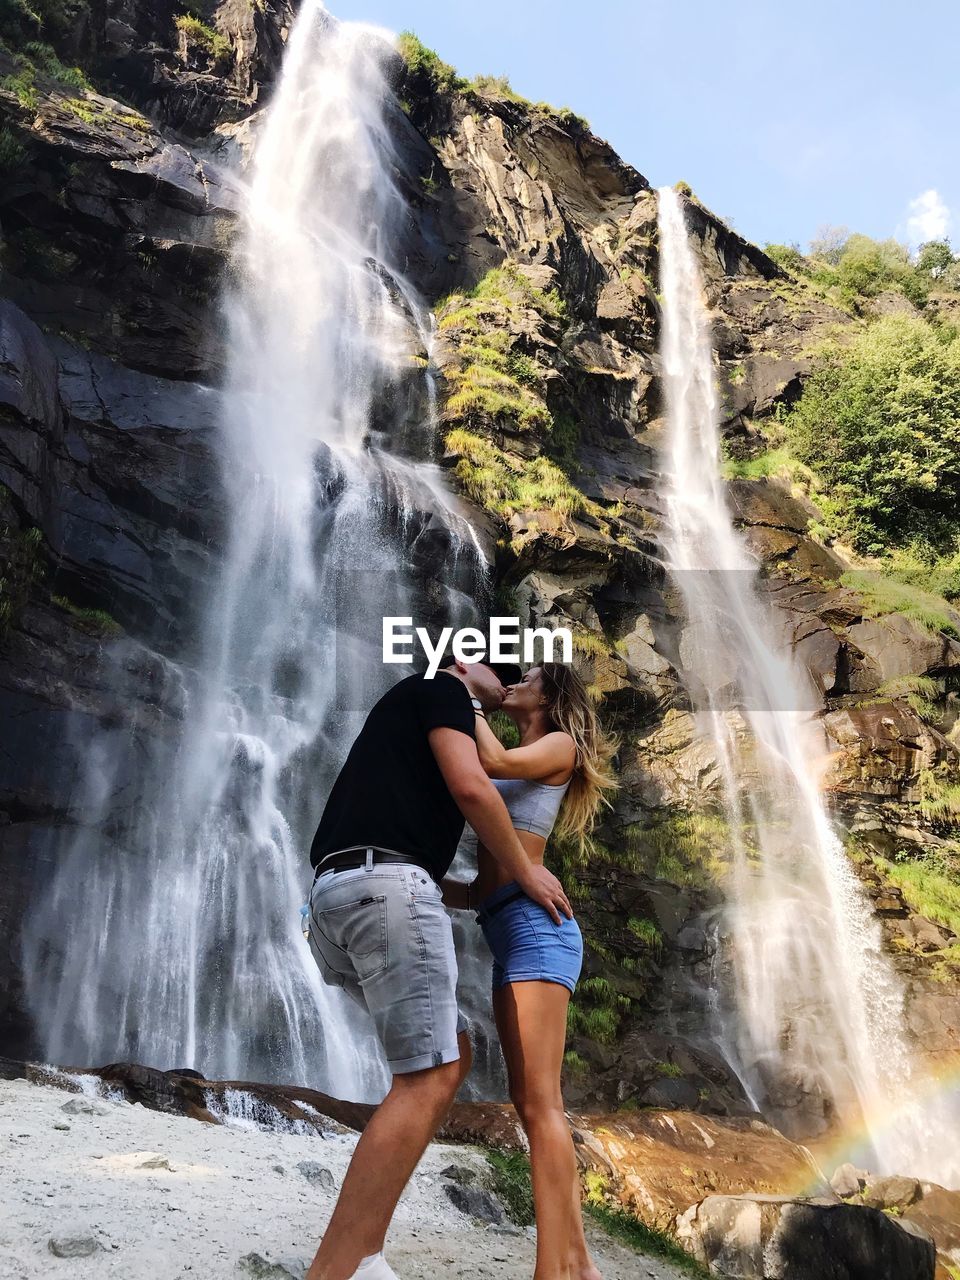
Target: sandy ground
[{"x": 155, "y": 1196}]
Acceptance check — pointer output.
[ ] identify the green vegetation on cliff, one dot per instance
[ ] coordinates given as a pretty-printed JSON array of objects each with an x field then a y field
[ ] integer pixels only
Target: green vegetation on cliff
[
  {"x": 503, "y": 483},
  {"x": 851, "y": 269},
  {"x": 205, "y": 37},
  {"x": 497, "y": 379},
  {"x": 426, "y": 66},
  {"x": 35, "y": 60},
  {"x": 879, "y": 423},
  {"x": 883, "y": 593},
  {"x": 29, "y": 34},
  {"x": 684, "y": 848},
  {"x": 430, "y": 74},
  {"x": 874, "y": 442},
  {"x": 596, "y": 1010},
  {"x": 27, "y": 20}
]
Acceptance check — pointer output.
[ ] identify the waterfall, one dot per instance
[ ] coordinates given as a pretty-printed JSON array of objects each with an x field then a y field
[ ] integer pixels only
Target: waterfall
[
  {"x": 812, "y": 1009},
  {"x": 171, "y": 932}
]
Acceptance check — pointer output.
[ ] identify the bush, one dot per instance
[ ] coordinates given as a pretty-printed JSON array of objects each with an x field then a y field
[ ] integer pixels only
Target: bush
[
  {"x": 787, "y": 256},
  {"x": 629, "y": 1230},
  {"x": 597, "y": 1011},
  {"x": 931, "y": 886},
  {"x": 511, "y": 1182},
  {"x": 38, "y": 59},
  {"x": 879, "y": 422},
  {"x": 23, "y": 20},
  {"x": 882, "y": 595},
  {"x": 198, "y": 33},
  {"x": 22, "y": 566},
  {"x": 425, "y": 66},
  {"x": 683, "y": 848},
  {"x": 504, "y": 484},
  {"x": 868, "y": 267}
]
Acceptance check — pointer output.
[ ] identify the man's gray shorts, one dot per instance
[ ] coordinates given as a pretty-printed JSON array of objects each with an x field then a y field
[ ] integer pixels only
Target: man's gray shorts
[{"x": 381, "y": 933}]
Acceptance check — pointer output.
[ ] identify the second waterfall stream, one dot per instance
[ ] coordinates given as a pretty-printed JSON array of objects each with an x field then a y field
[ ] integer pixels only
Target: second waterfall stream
[{"x": 810, "y": 1007}]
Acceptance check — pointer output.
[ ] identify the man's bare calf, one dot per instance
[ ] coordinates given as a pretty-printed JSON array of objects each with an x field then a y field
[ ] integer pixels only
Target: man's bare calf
[{"x": 383, "y": 1162}]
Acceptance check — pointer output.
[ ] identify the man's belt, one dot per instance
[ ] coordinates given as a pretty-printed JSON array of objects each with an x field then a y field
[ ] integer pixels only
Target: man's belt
[{"x": 359, "y": 855}]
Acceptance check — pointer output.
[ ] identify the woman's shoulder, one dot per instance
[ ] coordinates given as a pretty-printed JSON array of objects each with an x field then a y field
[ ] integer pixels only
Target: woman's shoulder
[{"x": 562, "y": 748}]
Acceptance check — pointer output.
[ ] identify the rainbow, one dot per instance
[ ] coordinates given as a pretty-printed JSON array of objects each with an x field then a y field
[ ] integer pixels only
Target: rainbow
[{"x": 858, "y": 1141}]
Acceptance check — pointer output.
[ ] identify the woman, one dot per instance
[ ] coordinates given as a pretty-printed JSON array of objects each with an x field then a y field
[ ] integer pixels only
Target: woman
[{"x": 554, "y": 780}]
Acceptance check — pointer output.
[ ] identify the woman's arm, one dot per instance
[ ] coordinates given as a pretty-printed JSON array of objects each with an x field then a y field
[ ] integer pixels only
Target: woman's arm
[{"x": 553, "y": 753}]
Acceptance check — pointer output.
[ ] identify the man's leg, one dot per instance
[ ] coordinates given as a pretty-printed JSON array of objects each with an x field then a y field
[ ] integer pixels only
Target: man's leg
[
  {"x": 387, "y": 928},
  {"x": 385, "y": 1157}
]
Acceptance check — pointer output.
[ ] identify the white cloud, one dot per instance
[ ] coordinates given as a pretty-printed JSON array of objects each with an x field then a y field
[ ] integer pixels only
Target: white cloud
[{"x": 929, "y": 217}]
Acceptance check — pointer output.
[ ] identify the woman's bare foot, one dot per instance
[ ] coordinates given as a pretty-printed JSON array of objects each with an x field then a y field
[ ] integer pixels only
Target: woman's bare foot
[{"x": 583, "y": 1269}]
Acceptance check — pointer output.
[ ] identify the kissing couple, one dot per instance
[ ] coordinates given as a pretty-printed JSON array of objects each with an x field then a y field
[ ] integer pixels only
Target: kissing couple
[{"x": 425, "y": 762}]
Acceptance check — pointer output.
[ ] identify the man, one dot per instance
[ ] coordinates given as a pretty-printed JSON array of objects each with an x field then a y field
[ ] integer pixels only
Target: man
[{"x": 378, "y": 928}]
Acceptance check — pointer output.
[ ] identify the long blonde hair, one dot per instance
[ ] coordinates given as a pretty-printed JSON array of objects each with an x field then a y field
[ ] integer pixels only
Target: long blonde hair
[{"x": 571, "y": 711}]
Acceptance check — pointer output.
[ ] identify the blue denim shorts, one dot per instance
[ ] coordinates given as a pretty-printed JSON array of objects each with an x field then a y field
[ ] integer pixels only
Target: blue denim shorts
[{"x": 527, "y": 946}]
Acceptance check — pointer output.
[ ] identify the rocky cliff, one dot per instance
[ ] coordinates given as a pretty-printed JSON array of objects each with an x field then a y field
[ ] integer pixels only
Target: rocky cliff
[{"x": 536, "y": 245}]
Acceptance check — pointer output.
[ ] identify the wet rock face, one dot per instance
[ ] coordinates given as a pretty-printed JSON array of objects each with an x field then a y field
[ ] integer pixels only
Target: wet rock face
[{"x": 118, "y": 230}]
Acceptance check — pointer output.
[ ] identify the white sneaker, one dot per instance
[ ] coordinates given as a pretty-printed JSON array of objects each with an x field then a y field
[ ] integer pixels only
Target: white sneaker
[{"x": 375, "y": 1267}]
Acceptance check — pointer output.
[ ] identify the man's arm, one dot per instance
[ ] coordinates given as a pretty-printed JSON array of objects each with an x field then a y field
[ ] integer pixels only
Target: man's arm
[{"x": 482, "y": 806}]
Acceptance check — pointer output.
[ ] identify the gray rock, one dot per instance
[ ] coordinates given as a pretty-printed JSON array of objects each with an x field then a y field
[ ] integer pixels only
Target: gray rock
[
  {"x": 848, "y": 1180},
  {"x": 670, "y": 1093},
  {"x": 773, "y": 1238},
  {"x": 28, "y": 370},
  {"x": 476, "y": 1203},
  {"x": 74, "y": 1246},
  {"x": 317, "y": 1173},
  {"x": 898, "y": 646},
  {"x": 892, "y": 1193},
  {"x": 156, "y": 1162},
  {"x": 84, "y": 1107},
  {"x": 460, "y": 1173},
  {"x": 254, "y": 1264}
]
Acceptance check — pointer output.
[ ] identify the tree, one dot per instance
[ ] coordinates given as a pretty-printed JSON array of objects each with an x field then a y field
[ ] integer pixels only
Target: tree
[
  {"x": 935, "y": 258},
  {"x": 879, "y": 423},
  {"x": 829, "y": 244},
  {"x": 867, "y": 267}
]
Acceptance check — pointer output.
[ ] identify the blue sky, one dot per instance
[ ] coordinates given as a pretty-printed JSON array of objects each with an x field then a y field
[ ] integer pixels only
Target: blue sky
[{"x": 782, "y": 117}]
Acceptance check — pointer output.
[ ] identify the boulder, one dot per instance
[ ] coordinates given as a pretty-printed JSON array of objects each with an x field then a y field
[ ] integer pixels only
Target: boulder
[
  {"x": 84, "y": 1107},
  {"x": 261, "y": 1268},
  {"x": 318, "y": 1174},
  {"x": 476, "y": 1202},
  {"x": 74, "y": 1246},
  {"x": 896, "y": 1193},
  {"x": 848, "y": 1181},
  {"x": 773, "y": 1238},
  {"x": 670, "y": 1093},
  {"x": 898, "y": 646}
]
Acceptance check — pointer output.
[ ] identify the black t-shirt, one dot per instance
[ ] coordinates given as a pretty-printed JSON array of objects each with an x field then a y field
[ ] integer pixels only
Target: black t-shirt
[{"x": 390, "y": 791}]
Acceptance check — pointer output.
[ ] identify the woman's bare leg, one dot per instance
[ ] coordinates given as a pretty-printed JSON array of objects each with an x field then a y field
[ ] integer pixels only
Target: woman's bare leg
[
  {"x": 582, "y": 1266},
  {"x": 532, "y": 1022}
]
